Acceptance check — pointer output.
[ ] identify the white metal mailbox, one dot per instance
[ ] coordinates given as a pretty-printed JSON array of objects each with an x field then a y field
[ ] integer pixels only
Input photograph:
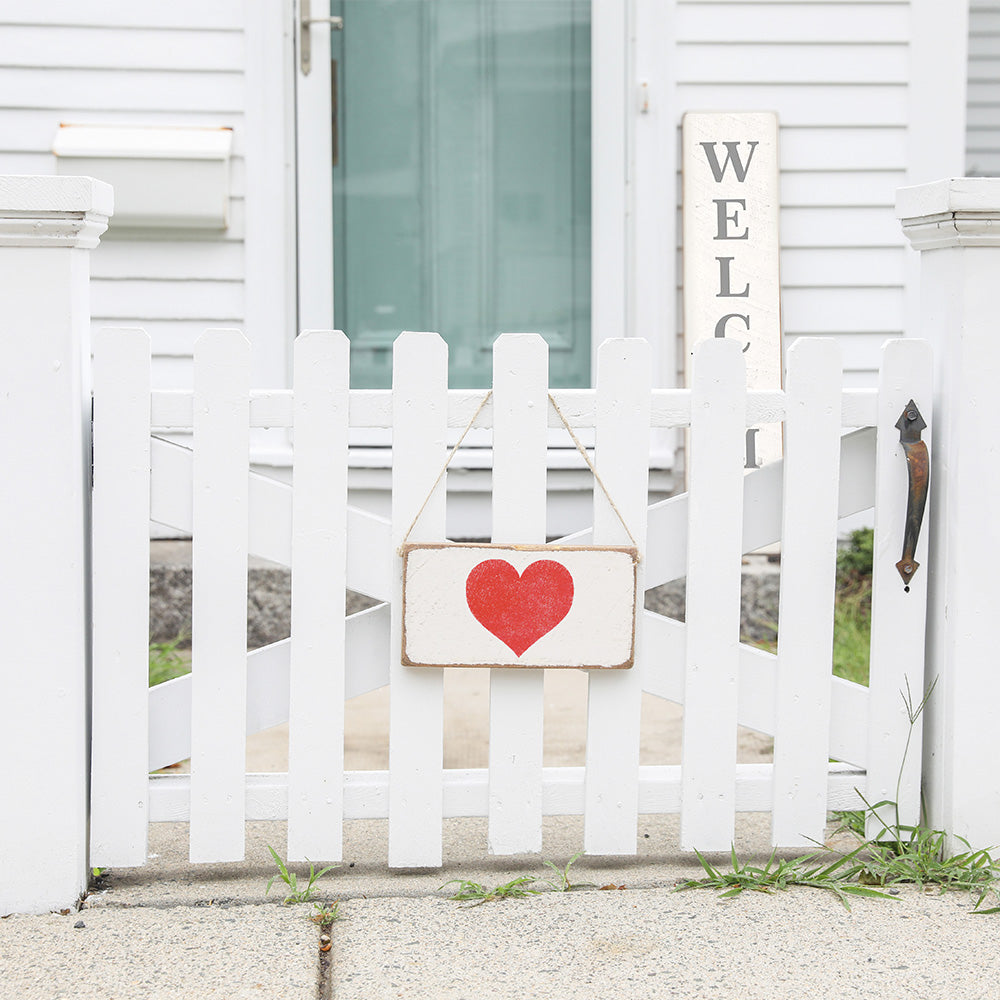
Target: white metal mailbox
[{"x": 163, "y": 177}]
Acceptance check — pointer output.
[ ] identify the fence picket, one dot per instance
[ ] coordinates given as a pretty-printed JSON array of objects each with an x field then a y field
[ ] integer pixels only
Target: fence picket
[
  {"x": 120, "y": 719},
  {"x": 218, "y": 608},
  {"x": 319, "y": 561},
  {"x": 416, "y": 709},
  {"x": 715, "y": 523},
  {"x": 615, "y": 697},
  {"x": 520, "y": 428},
  {"x": 808, "y": 569},
  {"x": 898, "y": 614}
]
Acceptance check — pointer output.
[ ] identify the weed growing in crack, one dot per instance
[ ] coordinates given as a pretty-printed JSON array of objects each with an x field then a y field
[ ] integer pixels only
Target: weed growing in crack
[
  {"x": 295, "y": 894},
  {"x": 562, "y": 874},
  {"x": 779, "y": 874},
  {"x": 326, "y": 913},
  {"x": 897, "y": 854},
  {"x": 515, "y": 889}
]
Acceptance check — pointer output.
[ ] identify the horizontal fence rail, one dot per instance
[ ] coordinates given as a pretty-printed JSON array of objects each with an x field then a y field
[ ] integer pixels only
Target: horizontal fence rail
[
  {"x": 173, "y": 409},
  {"x": 207, "y": 489}
]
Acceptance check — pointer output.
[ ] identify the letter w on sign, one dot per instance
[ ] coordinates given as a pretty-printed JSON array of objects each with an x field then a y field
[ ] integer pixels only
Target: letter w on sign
[{"x": 518, "y": 606}]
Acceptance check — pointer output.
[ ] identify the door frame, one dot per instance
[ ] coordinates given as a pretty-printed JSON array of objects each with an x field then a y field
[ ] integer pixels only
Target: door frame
[{"x": 614, "y": 228}]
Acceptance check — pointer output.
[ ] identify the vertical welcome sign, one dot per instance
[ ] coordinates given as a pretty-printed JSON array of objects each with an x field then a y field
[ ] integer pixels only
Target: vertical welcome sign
[{"x": 731, "y": 245}]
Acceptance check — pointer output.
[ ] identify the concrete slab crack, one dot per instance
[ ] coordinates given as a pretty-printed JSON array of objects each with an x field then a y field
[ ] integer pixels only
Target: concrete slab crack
[{"x": 324, "y": 982}]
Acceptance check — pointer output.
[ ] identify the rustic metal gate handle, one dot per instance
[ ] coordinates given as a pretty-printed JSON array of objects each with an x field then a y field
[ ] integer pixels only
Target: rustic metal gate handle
[{"x": 910, "y": 424}]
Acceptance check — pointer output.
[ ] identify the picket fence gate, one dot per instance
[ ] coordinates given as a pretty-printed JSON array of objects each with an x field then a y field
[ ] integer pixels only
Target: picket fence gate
[{"x": 208, "y": 490}]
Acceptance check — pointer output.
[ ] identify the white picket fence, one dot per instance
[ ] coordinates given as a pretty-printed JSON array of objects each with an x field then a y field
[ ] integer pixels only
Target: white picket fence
[
  {"x": 48, "y": 227},
  {"x": 208, "y": 491}
]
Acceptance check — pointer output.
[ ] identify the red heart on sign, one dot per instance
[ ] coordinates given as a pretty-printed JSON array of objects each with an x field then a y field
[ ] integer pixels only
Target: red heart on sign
[{"x": 519, "y": 608}]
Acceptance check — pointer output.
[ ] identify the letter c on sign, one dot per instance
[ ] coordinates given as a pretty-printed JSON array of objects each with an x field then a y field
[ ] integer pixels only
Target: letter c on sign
[{"x": 720, "y": 327}]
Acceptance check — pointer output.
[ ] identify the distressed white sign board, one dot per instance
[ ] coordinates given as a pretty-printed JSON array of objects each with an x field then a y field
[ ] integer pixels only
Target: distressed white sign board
[
  {"x": 518, "y": 606},
  {"x": 731, "y": 247}
]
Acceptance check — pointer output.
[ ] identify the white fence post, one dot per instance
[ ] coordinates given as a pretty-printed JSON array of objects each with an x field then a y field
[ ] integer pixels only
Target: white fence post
[
  {"x": 956, "y": 226},
  {"x": 47, "y": 227}
]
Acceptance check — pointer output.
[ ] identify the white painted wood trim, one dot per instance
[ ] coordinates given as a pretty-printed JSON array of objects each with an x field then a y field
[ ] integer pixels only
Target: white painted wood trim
[
  {"x": 808, "y": 572},
  {"x": 372, "y": 408},
  {"x": 466, "y": 792},
  {"x": 319, "y": 578},
  {"x": 517, "y": 716},
  {"x": 268, "y": 671},
  {"x": 715, "y": 520},
  {"x": 45, "y": 395},
  {"x": 614, "y": 699},
  {"x": 269, "y": 285},
  {"x": 958, "y": 281},
  {"x": 898, "y": 613},
  {"x": 314, "y": 173},
  {"x": 416, "y": 710},
  {"x": 218, "y": 607},
  {"x": 119, "y": 813},
  {"x": 937, "y": 109},
  {"x": 610, "y": 159}
]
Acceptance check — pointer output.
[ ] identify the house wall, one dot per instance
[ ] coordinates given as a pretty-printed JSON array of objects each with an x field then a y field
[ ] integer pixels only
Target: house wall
[
  {"x": 121, "y": 62},
  {"x": 837, "y": 75},
  {"x": 983, "y": 124}
]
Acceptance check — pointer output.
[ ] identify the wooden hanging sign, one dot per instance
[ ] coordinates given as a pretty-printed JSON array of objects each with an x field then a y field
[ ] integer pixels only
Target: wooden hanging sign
[{"x": 519, "y": 606}]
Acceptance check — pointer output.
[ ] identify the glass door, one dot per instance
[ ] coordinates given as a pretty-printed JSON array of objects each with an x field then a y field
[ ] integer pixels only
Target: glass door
[{"x": 461, "y": 180}]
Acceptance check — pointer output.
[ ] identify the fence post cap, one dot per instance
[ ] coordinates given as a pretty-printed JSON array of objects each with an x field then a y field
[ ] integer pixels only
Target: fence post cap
[
  {"x": 952, "y": 194},
  {"x": 53, "y": 210},
  {"x": 956, "y": 211}
]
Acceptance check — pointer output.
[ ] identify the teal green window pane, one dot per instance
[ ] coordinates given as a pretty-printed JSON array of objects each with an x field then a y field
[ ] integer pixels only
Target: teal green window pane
[{"x": 462, "y": 180}]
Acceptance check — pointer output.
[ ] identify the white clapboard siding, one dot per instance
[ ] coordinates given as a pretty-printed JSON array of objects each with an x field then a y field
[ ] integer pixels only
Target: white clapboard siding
[
  {"x": 205, "y": 299},
  {"x": 220, "y": 520},
  {"x": 517, "y": 711},
  {"x": 715, "y": 520},
  {"x": 614, "y": 698},
  {"x": 120, "y": 727},
  {"x": 416, "y": 709},
  {"x": 805, "y": 105},
  {"x": 164, "y": 49},
  {"x": 808, "y": 567},
  {"x": 848, "y": 310},
  {"x": 119, "y": 63},
  {"x": 792, "y": 22},
  {"x": 189, "y": 260},
  {"x": 858, "y": 149},
  {"x": 128, "y": 90},
  {"x": 762, "y": 62},
  {"x": 218, "y": 15},
  {"x": 982, "y": 133},
  {"x": 319, "y": 578},
  {"x": 872, "y": 267},
  {"x": 847, "y": 188},
  {"x": 836, "y": 73},
  {"x": 898, "y": 611}
]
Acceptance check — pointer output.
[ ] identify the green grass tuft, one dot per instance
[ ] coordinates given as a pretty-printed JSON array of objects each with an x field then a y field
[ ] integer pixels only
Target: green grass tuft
[
  {"x": 468, "y": 890},
  {"x": 563, "y": 883},
  {"x": 166, "y": 661},
  {"x": 778, "y": 874},
  {"x": 295, "y": 894}
]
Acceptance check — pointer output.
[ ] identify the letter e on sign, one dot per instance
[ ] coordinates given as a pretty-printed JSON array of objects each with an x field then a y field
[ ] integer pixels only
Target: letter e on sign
[{"x": 731, "y": 245}]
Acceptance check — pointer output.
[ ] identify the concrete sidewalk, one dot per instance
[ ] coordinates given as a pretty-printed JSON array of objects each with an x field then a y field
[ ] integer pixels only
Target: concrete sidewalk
[{"x": 176, "y": 930}]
